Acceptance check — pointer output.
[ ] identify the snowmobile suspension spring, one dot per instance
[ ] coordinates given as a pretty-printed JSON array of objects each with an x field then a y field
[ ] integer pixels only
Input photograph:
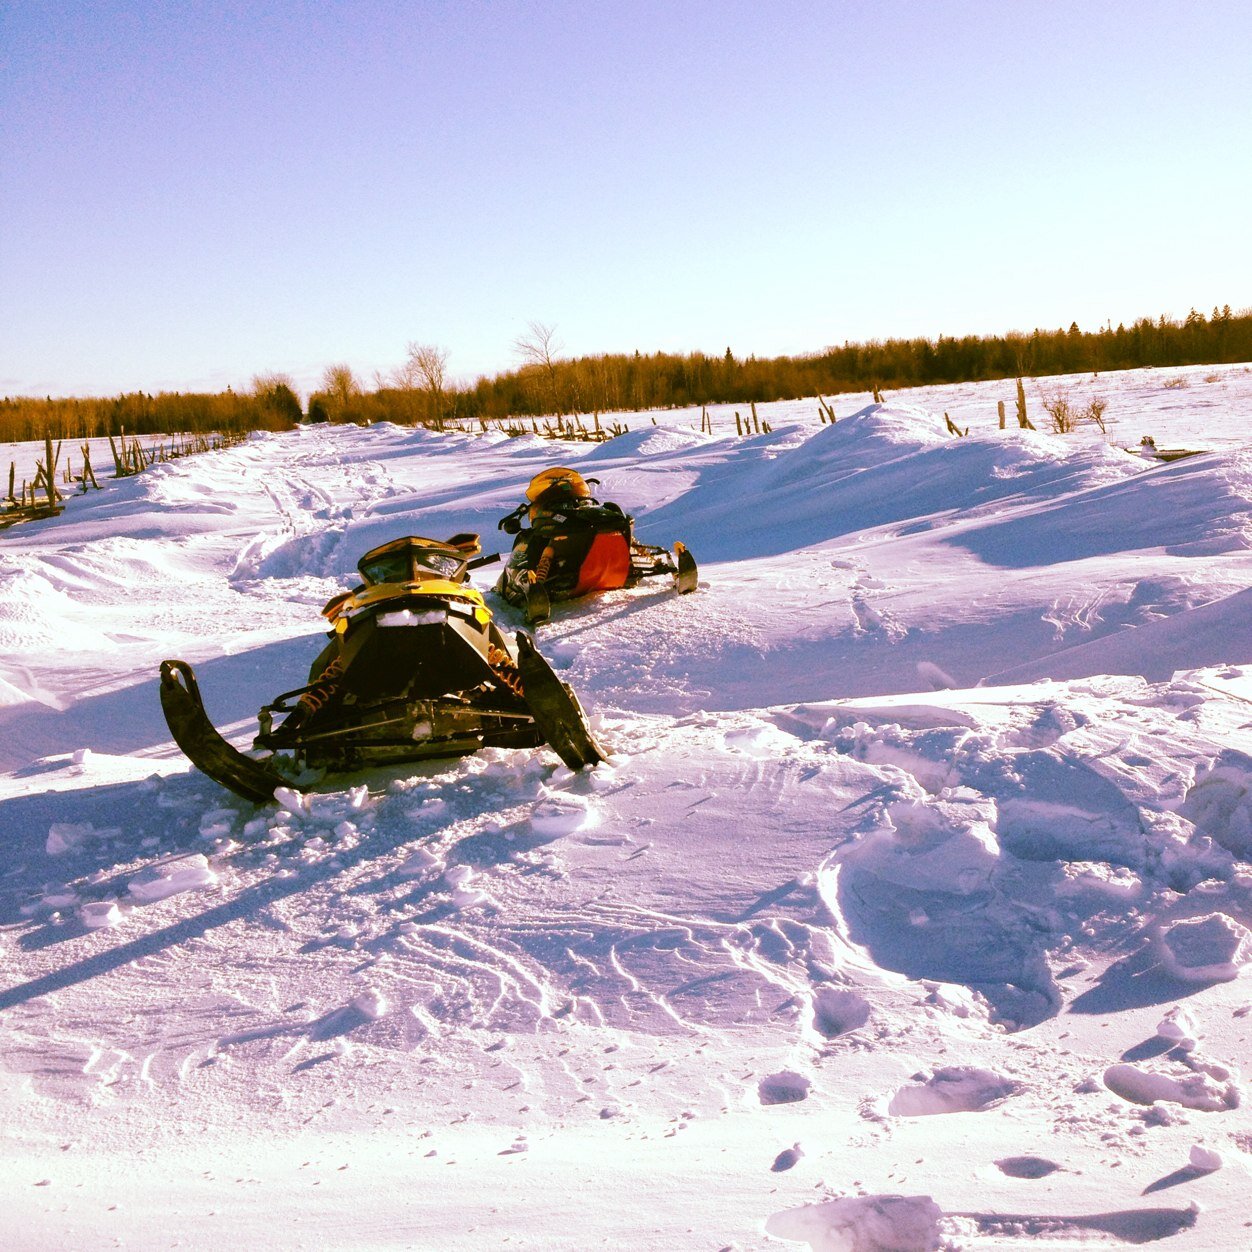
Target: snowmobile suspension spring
[
  {"x": 504, "y": 667},
  {"x": 325, "y": 688},
  {"x": 545, "y": 563}
]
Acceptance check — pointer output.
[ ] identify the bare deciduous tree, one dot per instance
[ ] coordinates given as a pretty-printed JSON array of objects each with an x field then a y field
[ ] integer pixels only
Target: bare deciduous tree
[
  {"x": 278, "y": 396},
  {"x": 1067, "y": 416},
  {"x": 540, "y": 349},
  {"x": 425, "y": 370},
  {"x": 430, "y": 365},
  {"x": 340, "y": 385}
]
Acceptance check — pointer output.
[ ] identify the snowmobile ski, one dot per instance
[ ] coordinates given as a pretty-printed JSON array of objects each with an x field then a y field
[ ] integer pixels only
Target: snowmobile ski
[
  {"x": 556, "y": 710},
  {"x": 538, "y": 604},
  {"x": 203, "y": 744},
  {"x": 687, "y": 575}
]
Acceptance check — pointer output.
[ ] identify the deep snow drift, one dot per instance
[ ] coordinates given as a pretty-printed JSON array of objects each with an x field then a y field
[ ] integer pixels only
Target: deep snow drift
[{"x": 911, "y": 911}]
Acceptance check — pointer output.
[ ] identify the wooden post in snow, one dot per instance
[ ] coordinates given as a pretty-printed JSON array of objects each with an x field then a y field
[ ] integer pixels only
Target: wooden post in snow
[
  {"x": 1022, "y": 420},
  {"x": 50, "y": 472}
]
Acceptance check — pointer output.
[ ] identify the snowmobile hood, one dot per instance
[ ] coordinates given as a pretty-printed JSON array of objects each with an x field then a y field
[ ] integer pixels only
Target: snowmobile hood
[{"x": 347, "y": 606}]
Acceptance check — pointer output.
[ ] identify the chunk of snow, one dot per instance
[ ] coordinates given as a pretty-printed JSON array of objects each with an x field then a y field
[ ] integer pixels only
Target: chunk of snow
[
  {"x": 418, "y": 862},
  {"x": 161, "y": 881},
  {"x": 459, "y": 877},
  {"x": 1205, "y": 1158},
  {"x": 100, "y": 914},
  {"x": 293, "y": 801},
  {"x": 1220, "y": 803},
  {"x": 66, "y": 836},
  {"x": 1193, "y": 1090},
  {"x": 371, "y": 1003},
  {"x": 958, "y": 1001},
  {"x": 879, "y": 1223},
  {"x": 1178, "y": 1028},
  {"x": 1083, "y": 876},
  {"x": 565, "y": 815},
  {"x": 953, "y": 1089},
  {"x": 1213, "y": 948}
]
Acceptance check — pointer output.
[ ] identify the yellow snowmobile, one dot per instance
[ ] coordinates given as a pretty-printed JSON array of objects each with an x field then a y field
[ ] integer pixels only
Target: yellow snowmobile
[{"x": 415, "y": 668}]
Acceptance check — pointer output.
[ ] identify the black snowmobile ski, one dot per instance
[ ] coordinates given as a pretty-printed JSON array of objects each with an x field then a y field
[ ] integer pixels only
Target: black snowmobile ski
[
  {"x": 687, "y": 576},
  {"x": 556, "y": 710},
  {"x": 648, "y": 561},
  {"x": 538, "y": 607},
  {"x": 204, "y": 746}
]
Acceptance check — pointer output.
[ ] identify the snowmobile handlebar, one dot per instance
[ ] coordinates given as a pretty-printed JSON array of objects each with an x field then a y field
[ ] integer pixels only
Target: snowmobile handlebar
[{"x": 480, "y": 561}]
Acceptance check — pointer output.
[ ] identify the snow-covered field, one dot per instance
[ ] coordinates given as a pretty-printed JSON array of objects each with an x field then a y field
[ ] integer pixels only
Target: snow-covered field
[{"x": 910, "y": 912}]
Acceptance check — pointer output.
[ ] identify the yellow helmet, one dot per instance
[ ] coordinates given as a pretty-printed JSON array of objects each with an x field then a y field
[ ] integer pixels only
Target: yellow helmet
[
  {"x": 567, "y": 482},
  {"x": 556, "y": 487}
]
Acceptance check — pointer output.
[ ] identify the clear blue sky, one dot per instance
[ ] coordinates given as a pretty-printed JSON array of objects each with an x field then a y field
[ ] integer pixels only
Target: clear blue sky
[{"x": 193, "y": 193}]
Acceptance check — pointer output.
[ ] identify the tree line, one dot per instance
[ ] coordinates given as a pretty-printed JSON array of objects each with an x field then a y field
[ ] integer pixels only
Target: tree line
[
  {"x": 545, "y": 381},
  {"x": 271, "y": 404}
]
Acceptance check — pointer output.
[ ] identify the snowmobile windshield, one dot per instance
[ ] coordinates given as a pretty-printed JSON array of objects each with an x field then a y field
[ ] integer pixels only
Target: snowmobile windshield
[
  {"x": 392, "y": 567},
  {"x": 437, "y": 563},
  {"x": 411, "y": 565}
]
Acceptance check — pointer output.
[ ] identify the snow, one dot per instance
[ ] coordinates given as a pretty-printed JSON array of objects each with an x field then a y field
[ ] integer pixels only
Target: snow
[
  {"x": 1205, "y": 949},
  {"x": 910, "y": 911}
]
